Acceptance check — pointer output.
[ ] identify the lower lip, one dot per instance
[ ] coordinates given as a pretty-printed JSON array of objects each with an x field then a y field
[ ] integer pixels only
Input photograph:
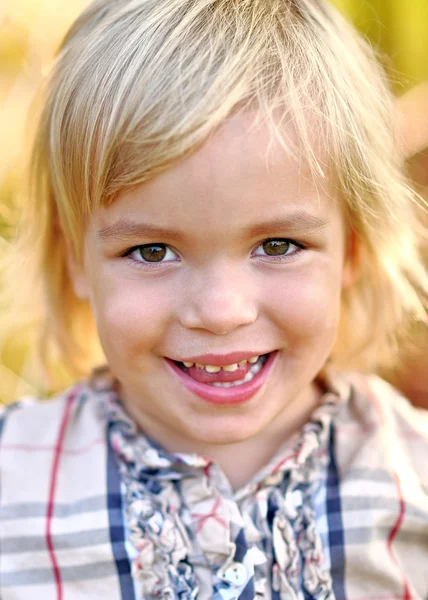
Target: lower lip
[{"x": 230, "y": 396}]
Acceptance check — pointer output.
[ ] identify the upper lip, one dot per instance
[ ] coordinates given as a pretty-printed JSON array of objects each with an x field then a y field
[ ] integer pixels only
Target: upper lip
[{"x": 217, "y": 360}]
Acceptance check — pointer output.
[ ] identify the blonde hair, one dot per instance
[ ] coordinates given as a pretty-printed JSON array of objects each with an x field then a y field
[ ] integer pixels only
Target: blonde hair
[{"x": 139, "y": 84}]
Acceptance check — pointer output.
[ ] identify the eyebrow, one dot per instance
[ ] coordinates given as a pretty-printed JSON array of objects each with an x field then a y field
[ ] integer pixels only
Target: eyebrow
[
  {"x": 298, "y": 222},
  {"x": 124, "y": 229}
]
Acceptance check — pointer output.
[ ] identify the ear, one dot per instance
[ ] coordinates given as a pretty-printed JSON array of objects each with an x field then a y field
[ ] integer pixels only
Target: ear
[
  {"x": 77, "y": 274},
  {"x": 352, "y": 262}
]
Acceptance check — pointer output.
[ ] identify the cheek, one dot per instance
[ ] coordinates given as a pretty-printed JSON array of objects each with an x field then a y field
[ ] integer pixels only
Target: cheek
[
  {"x": 130, "y": 314},
  {"x": 308, "y": 305}
]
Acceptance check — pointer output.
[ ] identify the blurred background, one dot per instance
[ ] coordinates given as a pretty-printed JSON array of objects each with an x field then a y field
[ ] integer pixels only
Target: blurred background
[{"x": 30, "y": 32}]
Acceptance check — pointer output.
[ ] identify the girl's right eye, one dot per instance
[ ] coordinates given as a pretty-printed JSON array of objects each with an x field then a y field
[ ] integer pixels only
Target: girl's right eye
[{"x": 152, "y": 253}]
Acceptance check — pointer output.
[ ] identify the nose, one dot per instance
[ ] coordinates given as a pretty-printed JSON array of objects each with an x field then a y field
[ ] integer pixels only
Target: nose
[{"x": 219, "y": 302}]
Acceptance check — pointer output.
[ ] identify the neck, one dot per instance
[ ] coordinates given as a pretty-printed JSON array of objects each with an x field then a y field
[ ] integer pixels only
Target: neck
[
  {"x": 249, "y": 455},
  {"x": 253, "y": 454}
]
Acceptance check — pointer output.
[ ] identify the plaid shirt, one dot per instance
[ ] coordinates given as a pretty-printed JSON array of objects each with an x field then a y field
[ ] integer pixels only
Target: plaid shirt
[{"x": 341, "y": 512}]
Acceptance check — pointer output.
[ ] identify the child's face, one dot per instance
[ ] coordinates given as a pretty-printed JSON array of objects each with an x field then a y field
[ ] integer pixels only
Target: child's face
[{"x": 233, "y": 250}]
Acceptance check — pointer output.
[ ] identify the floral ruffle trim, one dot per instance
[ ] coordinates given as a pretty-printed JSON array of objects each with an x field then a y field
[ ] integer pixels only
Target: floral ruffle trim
[{"x": 166, "y": 545}]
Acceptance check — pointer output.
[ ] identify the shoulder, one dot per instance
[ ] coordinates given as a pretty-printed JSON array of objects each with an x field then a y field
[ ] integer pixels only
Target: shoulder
[
  {"x": 35, "y": 422},
  {"x": 59, "y": 442},
  {"x": 373, "y": 400},
  {"x": 61, "y": 499},
  {"x": 381, "y": 491},
  {"x": 378, "y": 426}
]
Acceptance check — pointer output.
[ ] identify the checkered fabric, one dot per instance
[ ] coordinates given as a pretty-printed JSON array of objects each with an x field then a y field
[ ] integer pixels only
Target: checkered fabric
[{"x": 91, "y": 509}]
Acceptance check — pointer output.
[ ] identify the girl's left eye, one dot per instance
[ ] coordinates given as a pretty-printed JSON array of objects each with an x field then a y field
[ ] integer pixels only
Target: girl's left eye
[
  {"x": 152, "y": 253},
  {"x": 278, "y": 247}
]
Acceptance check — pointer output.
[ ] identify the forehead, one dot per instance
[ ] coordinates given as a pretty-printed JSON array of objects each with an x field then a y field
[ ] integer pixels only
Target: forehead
[
  {"x": 241, "y": 170},
  {"x": 245, "y": 146}
]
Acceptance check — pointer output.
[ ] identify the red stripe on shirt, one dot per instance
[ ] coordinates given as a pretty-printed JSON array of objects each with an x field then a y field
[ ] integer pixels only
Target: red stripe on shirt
[
  {"x": 402, "y": 509},
  {"x": 54, "y": 478},
  {"x": 393, "y": 533}
]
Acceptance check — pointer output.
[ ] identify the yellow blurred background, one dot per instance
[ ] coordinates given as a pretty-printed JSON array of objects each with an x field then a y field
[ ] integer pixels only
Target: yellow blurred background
[{"x": 31, "y": 30}]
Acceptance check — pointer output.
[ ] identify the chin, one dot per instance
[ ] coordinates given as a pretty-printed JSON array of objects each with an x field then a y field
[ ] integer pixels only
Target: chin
[{"x": 223, "y": 434}]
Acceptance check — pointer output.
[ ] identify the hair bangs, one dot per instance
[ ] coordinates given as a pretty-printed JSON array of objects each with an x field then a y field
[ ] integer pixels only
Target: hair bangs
[{"x": 138, "y": 99}]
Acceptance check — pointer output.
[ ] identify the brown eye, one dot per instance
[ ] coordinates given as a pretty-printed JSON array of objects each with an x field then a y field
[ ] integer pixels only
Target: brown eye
[
  {"x": 153, "y": 252},
  {"x": 276, "y": 247}
]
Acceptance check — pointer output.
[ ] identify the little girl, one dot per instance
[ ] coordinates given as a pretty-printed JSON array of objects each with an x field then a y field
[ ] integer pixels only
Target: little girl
[{"x": 217, "y": 191}]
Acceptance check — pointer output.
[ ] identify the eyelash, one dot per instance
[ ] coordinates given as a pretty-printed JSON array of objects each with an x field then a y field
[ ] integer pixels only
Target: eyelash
[{"x": 299, "y": 247}]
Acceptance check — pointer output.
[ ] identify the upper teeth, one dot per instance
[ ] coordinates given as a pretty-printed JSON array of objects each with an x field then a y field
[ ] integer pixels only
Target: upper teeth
[{"x": 229, "y": 368}]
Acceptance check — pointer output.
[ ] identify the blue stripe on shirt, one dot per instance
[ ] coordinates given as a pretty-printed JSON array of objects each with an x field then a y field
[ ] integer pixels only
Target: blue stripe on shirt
[
  {"x": 2, "y": 421},
  {"x": 117, "y": 529},
  {"x": 335, "y": 524},
  {"x": 248, "y": 593},
  {"x": 6, "y": 412}
]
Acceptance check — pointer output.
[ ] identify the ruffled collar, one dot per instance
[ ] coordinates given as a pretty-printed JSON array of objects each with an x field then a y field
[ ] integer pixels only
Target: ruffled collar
[{"x": 195, "y": 540}]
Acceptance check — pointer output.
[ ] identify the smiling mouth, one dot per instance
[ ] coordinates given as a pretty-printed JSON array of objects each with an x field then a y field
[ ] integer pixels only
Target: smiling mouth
[
  {"x": 227, "y": 385},
  {"x": 225, "y": 376}
]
